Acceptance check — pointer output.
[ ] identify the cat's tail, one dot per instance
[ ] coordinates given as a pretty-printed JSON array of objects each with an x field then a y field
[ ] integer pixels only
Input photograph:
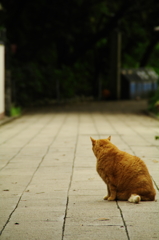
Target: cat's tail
[{"x": 134, "y": 198}]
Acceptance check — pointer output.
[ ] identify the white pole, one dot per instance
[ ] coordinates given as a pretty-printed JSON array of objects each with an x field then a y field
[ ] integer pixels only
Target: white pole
[{"x": 2, "y": 105}]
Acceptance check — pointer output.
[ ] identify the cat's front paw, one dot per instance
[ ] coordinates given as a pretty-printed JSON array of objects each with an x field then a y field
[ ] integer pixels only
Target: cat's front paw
[
  {"x": 106, "y": 197},
  {"x": 111, "y": 198}
]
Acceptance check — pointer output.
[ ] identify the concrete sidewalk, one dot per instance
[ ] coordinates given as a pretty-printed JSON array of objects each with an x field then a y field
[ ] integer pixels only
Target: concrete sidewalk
[{"x": 48, "y": 182}]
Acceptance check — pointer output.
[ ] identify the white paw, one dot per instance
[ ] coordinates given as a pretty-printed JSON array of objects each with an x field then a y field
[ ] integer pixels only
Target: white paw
[{"x": 134, "y": 198}]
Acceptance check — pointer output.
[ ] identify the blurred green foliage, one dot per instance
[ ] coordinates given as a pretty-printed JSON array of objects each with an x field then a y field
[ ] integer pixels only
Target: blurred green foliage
[
  {"x": 154, "y": 103},
  {"x": 63, "y": 47},
  {"x": 15, "y": 111}
]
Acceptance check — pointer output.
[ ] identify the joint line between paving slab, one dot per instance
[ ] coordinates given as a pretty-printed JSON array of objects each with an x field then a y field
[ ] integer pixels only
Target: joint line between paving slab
[
  {"x": 71, "y": 177},
  {"x": 155, "y": 184},
  {"x": 32, "y": 176},
  {"x": 95, "y": 126},
  {"x": 27, "y": 143},
  {"x": 126, "y": 230},
  {"x": 20, "y": 131},
  {"x": 134, "y": 152},
  {"x": 139, "y": 134},
  {"x": 119, "y": 134},
  {"x": 121, "y": 214}
]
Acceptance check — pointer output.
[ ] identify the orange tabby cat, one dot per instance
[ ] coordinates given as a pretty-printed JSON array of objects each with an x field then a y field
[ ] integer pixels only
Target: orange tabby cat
[{"x": 126, "y": 176}]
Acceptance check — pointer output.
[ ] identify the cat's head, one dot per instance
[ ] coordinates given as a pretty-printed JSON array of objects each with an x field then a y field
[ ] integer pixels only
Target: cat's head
[{"x": 98, "y": 144}]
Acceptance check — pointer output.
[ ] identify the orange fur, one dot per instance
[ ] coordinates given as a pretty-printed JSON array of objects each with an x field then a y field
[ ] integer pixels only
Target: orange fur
[{"x": 126, "y": 176}]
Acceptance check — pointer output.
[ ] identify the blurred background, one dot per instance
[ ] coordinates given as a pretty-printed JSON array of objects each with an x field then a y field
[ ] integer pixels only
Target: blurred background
[{"x": 63, "y": 50}]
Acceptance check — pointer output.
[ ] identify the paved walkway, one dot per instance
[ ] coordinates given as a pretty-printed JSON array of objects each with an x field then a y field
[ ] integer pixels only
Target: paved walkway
[{"x": 48, "y": 183}]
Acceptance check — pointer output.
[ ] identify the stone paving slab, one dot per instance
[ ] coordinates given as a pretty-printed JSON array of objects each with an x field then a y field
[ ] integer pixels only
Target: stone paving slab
[{"x": 48, "y": 182}]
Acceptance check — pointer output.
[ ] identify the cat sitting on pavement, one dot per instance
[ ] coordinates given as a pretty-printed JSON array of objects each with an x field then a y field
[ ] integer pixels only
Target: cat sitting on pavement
[{"x": 126, "y": 176}]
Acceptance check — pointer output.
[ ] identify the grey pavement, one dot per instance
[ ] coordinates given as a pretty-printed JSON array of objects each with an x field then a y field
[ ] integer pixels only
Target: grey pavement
[{"x": 49, "y": 188}]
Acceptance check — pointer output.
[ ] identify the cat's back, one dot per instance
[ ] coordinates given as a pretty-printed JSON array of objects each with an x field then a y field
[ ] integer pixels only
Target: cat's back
[
  {"x": 130, "y": 168},
  {"x": 130, "y": 160},
  {"x": 115, "y": 161}
]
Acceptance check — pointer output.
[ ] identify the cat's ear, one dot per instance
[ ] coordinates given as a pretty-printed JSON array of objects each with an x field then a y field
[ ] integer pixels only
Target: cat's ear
[
  {"x": 109, "y": 138},
  {"x": 93, "y": 140}
]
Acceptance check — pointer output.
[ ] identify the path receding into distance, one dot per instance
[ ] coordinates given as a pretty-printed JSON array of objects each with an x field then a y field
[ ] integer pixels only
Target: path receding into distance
[{"x": 49, "y": 187}]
